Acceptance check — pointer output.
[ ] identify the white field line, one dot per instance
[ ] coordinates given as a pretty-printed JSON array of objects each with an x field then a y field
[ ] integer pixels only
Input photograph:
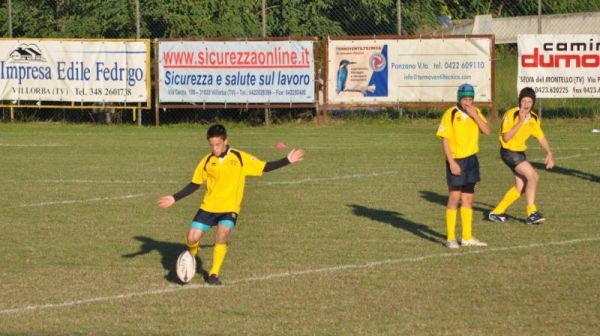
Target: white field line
[
  {"x": 110, "y": 181},
  {"x": 567, "y": 157},
  {"x": 300, "y": 181},
  {"x": 32, "y": 145},
  {"x": 371, "y": 264},
  {"x": 89, "y": 200},
  {"x": 333, "y": 178}
]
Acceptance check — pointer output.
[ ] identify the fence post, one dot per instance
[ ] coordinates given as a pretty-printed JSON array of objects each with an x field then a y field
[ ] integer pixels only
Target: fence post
[
  {"x": 10, "y": 35},
  {"x": 264, "y": 34},
  {"x": 539, "y": 31},
  {"x": 399, "y": 11},
  {"x": 137, "y": 35},
  {"x": 10, "y": 31}
]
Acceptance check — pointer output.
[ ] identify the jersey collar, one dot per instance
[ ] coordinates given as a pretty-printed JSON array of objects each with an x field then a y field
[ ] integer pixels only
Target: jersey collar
[{"x": 224, "y": 154}]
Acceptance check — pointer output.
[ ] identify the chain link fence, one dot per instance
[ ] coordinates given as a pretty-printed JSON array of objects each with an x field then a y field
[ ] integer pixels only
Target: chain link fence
[{"x": 269, "y": 18}]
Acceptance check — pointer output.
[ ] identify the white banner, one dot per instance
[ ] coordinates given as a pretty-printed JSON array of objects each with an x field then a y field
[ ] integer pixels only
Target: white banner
[
  {"x": 107, "y": 71},
  {"x": 236, "y": 72},
  {"x": 560, "y": 66},
  {"x": 408, "y": 70}
]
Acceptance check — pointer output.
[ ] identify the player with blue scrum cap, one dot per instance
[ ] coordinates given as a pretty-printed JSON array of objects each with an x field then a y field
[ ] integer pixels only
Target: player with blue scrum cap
[{"x": 459, "y": 131}]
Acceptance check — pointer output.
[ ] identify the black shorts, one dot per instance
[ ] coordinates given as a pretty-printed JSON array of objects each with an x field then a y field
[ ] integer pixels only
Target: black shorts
[
  {"x": 204, "y": 220},
  {"x": 469, "y": 167},
  {"x": 512, "y": 159}
]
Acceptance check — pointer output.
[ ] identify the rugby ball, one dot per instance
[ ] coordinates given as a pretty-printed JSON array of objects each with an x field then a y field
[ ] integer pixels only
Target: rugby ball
[{"x": 186, "y": 267}]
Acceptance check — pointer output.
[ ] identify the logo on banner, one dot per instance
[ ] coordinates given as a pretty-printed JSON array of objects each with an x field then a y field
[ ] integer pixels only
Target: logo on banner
[
  {"x": 377, "y": 62},
  {"x": 26, "y": 53}
]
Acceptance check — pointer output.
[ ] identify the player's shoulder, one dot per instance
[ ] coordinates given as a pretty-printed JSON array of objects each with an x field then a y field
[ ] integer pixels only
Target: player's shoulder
[
  {"x": 449, "y": 114},
  {"x": 512, "y": 110},
  {"x": 248, "y": 157},
  {"x": 206, "y": 157},
  {"x": 450, "y": 110},
  {"x": 510, "y": 114}
]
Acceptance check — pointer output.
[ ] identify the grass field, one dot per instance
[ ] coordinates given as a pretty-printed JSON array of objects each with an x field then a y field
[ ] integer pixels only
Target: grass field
[{"x": 348, "y": 242}]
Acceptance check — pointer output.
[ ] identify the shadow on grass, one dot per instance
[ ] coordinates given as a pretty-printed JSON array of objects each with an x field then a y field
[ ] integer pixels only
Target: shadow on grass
[
  {"x": 169, "y": 253},
  {"x": 568, "y": 172},
  {"x": 436, "y": 198},
  {"x": 396, "y": 220}
]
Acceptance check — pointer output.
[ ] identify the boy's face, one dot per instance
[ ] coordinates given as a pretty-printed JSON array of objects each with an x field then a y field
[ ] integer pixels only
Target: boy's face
[
  {"x": 466, "y": 101},
  {"x": 217, "y": 145},
  {"x": 526, "y": 104}
]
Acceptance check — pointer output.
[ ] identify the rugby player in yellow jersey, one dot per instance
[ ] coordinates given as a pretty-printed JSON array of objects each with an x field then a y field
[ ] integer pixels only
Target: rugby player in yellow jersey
[
  {"x": 459, "y": 132},
  {"x": 518, "y": 124},
  {"x": 224, "y": 170}
]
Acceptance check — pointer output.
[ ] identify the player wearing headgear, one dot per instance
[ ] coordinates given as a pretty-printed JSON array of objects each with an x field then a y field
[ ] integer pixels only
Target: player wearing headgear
[
  {"x": 518, "y": 124},
  {"x": 224, "y": 171},
  {"x": 459, "y": 131}
]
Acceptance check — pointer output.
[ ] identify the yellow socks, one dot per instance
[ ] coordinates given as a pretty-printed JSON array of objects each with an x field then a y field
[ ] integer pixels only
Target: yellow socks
[
  {"x": 466, "y": 220},
  {"x": 219, "y": 252},
  {"x": 193, "y": 248},
  {"x": 451, "y": 224},
  {"x": 509, "y": 198},
  {"x": 531, "y": 208}
]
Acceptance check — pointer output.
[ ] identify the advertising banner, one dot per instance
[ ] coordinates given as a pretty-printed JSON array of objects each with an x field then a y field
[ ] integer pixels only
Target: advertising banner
[
  {"x": 390, "y": 71},
  {"x": 560, "y": 66},
  {"x": 236, "y": 72},
  {"x": 100, "y": 71}
]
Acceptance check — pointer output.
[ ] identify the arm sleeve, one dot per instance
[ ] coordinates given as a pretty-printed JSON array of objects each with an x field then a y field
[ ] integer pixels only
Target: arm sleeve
[
  {"x": 481, "y": 115},
  {"x": 537, "y": 131},
  {"x": 272, "y": 165},
  {"x": 507, "y": 124},
  {"x": 445, "y": 128},
  {"x": 252, "y": 165},
  {"x": 200, "y": 172},
  {"x": 186, "y": 191}
]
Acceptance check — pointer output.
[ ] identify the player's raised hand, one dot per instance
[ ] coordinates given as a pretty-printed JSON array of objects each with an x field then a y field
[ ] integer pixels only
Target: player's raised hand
[
  {"x": 471, "y": 109},
  {"x": 295, "y": 155},
  {"x": 524, "y": 113},
  {"x": 166, "y": 201}
]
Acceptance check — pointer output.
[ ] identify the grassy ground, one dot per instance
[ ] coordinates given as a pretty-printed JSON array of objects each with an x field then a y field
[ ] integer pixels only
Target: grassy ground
[{"x": 349, "y": 242}]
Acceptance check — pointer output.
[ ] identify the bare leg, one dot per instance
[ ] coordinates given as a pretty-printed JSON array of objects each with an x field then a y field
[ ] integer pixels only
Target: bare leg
[{"x": 527, "y": 175}]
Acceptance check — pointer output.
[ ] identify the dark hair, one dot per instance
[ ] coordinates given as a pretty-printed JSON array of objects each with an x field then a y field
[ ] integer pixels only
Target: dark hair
[
  {"x": 527, "y": 92},
  {"x": 216, "y": 131}
]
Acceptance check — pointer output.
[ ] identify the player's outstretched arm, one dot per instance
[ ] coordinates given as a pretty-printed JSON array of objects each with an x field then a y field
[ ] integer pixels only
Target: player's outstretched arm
[
  {"x": 167, "y": 201},
  {"x": 295, "y": 155},
  {"x": 549, "y": 157}
]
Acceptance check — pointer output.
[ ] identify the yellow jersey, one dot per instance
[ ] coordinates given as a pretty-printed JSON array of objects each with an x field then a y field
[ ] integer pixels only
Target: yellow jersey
[
  {"x": 225, "y": 179},
  {"x": 461, "y": 131},
  {"x": 531, "y": 127}
]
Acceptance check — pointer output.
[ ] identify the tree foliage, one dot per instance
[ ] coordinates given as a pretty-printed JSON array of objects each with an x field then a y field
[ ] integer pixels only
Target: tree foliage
[{"x": 243, "y": 18}]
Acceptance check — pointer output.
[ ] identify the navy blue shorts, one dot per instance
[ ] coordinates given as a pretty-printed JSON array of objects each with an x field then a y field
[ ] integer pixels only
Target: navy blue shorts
[
  {"x": 512, "y": 159},
  {"x": 204, "y": 220},
  {"x": 469, "y": 167}
]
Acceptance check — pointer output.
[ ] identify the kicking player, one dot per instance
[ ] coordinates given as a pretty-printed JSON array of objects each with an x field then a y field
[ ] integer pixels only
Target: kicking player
[
  {"x": 518, "y": 124},
  {"x": 224, "y": 170},
  {"x": 459, "y": 132}
]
